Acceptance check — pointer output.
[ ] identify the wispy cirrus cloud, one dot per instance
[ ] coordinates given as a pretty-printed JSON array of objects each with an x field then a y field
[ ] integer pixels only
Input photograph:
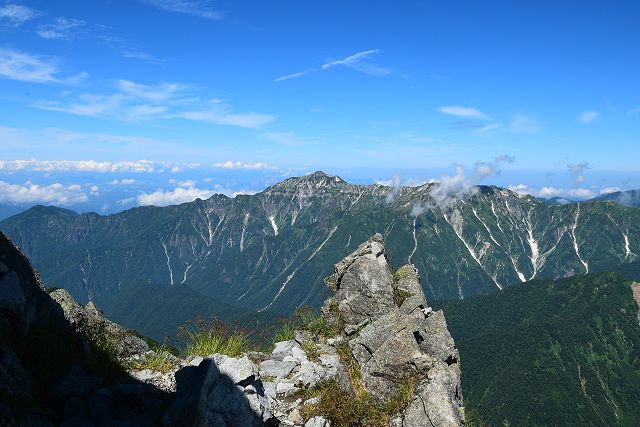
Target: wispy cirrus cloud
[
  {"x": 357, "y": 61},
  {"x": 128, "y": 50},
  {"x": 62, "y": 29},
  {"x": 14, "y": 15},
  {"x": 137, "y": 102},
  {"x": 464, "y": 112},
  {"x": 288, "y": 138},
  {"x": 199, "y": 8},
  {"x": 521, "y": 123},
  {"x": 588, "y": 116},
  {"x": 25, "y": 67}
]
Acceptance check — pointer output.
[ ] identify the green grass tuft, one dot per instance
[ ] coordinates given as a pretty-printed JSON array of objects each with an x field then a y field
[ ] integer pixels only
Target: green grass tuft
[
  {"x": 161, "y": 361},
  {"x": 400, "y": 295},
  {"x": 205, "y": 338}
]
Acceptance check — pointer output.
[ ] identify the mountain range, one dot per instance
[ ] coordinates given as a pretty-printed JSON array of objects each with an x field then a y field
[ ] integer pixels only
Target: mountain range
[{"x": 268, "y": 252}]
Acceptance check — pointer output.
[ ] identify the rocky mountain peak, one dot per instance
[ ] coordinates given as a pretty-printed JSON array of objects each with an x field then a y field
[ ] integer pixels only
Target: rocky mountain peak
[
  {"x": 394, "y": 336},
  {"x": 313, "y": 181}
]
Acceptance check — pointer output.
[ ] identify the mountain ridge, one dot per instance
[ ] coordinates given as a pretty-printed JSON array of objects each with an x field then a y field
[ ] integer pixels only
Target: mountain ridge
[{"x": 267, "y": 251}]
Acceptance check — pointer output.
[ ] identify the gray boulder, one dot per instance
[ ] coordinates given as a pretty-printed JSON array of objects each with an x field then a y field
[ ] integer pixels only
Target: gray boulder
[{"x": 220, "y": 391}]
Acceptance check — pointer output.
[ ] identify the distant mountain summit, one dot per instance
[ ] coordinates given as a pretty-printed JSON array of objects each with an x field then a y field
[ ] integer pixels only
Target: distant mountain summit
[{"x": 268, "y": 251}]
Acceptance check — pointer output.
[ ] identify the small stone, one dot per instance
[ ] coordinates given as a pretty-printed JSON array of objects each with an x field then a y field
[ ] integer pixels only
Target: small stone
[
  {"x": 276, "y": 368},
  {"x": 269, "y": 389},
  {"x": 317, "y": 422},
  {"x": 286, "y": 388},
  {"x": 237, "y": 370},
  {"x": 196, "y": 361},
  {"x": 312, "y": 401},
  {"x": 295, "y": 416}
]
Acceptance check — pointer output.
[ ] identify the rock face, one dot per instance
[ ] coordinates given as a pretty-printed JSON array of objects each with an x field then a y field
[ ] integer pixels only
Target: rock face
[{"x": 89, "y": 321}]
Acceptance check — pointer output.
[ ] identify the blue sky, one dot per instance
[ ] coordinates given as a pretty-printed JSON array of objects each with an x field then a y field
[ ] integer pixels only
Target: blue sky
[{"x": 233, "y": 96}]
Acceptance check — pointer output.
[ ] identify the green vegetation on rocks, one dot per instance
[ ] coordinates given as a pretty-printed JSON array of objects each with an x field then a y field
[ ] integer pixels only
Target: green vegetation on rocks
[{"x": 204, "y": 338}]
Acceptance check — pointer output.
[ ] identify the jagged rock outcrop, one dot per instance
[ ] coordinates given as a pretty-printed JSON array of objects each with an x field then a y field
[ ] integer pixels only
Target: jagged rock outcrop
[{"x": 395, "y": 337}]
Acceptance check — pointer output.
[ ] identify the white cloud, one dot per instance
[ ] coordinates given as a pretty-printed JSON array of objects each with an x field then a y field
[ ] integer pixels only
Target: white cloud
[
  {"x": 357, "y": 62},
  {"x": 200, "y": 8},
  {"x": 133, "y": 101},
  {"x": 21, "y": 66},
  {"x": 578, "y": 171},
  {"x": 16, "y": 14},
  {"x": 581, "y": 193},
  {"x": 125, "y": 181},
  {"x": 465, "y": 112},
  {"x": 588, "y": 116},
  {"x": 608, "y": 190},
  {"x": 288, "y": 138},
  {"x": 524, "y": 124},
  {"x": 241, "y": 165},
  {"x": 29, "y": 193},
  {"x": 489, "y": 127},
  {"x": 220, "y": 114},
  {"x": 62, "y": 29},
  {"x": 128, "y": 50},
  {"x": 635, "y": 111},
  {"x": 173, "y": 197},
  {"x": 295, "y": 75},
  {"x": 551, "y": 192},
  {"x": 520, "y": 189},
  {"x": 78, "y": 166}
]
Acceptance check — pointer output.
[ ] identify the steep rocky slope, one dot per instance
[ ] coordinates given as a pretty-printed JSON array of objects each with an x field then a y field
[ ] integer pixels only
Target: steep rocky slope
[
  {"x": 381, "y": 357},
  {"x": 268, "y": 251},
  {"x": 60, "y": 363}
]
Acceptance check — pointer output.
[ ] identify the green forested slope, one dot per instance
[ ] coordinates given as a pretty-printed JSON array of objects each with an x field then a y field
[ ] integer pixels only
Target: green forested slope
[{"x": 563, "y": 352}]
